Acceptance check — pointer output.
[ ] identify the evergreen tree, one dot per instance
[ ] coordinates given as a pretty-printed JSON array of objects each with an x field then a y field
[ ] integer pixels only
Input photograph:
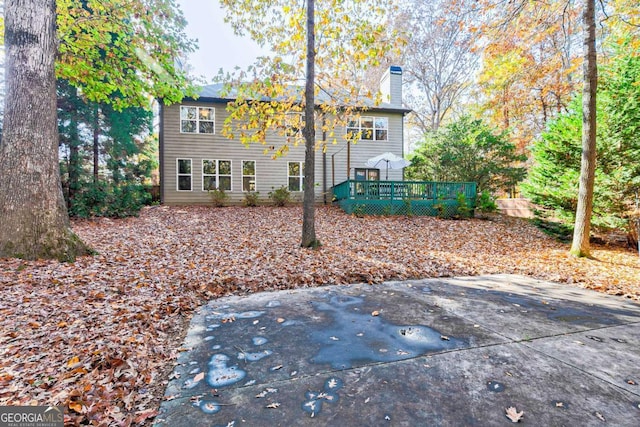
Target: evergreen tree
[
  {"x": 468, "y": 150},
  {"x": 127, "y": 144},
  {"x": 115, "y": 144},
  {"x": 552, "y": 181},
  {"x": 553, "y": 178},
  {"x": 72, "y": 115}
]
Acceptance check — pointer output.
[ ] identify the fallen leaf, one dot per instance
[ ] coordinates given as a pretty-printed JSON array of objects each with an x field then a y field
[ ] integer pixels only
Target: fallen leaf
[
  {"x": 143, "y": 415},
  {"x": 263, "y": 393},
  {"x": 76, "y": 407},
  {"x": 513, "y": 414},
  {"x": 73, "y": 362}
]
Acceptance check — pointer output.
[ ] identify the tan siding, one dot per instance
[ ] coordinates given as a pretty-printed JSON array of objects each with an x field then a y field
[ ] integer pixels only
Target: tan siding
[{"x": 270, "y": 173}]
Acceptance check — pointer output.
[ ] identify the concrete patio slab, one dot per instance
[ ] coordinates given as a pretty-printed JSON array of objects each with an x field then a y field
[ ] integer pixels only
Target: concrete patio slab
[{"x": 447, "y": 352}]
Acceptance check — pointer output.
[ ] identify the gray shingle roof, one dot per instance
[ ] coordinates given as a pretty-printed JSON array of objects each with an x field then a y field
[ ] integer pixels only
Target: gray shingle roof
[{"x": 213, "y": 93}]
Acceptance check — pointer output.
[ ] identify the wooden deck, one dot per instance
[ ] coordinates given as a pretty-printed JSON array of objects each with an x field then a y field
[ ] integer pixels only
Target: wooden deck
[{"x": 404, "y": 197}]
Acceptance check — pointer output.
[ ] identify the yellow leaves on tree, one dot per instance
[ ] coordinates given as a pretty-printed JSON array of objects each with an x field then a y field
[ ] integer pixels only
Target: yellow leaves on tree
[
  {"x": 345, "y": 48},
  {"x": 529, "y": 65}
]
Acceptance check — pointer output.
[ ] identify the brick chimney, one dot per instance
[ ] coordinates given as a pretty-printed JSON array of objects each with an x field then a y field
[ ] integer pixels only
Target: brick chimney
[{"x": 391, "y": 86}]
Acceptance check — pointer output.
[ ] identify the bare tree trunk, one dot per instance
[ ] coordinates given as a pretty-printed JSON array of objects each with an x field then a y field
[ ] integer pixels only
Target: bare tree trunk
[
  {"x": 75, "y": 162},
  {"x": 308, "y": 207},
  {"x": 35, "y": 223},
  {"x": 580, "y": 245},
  {"x": 96, "y": 143}
]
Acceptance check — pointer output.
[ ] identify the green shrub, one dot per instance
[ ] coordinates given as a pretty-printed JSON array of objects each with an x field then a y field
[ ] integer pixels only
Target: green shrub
[
  {"x": 218, "y": 197},
  {"x": 280, "y": 196},
  {"x": 468, "y": 150},
  {"x": 107, "y": 200},
  {"x": 558, "y": 230},
  {"x": 359, "y": 211},
  {"x": 408, "y": 207},
  {"x": 463, "y": 209},
  {"x": 439, "y": 209},
  {"x": 486, "y": 203},
  {"x": 251, "y": 198}
]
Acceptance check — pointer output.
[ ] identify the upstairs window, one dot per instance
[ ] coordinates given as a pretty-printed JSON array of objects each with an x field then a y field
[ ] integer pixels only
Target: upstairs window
[
  {"x": 295, "y": 175},
  {"x": 216, "y": 174},
  {"x": 197, "y": 120},
  {"x": 370, "y": 128}
]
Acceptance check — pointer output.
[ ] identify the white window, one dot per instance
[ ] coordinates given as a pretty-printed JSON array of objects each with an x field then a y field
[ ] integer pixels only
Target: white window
[
  {"x": 184, "y": 174},
  {"x": 216, "y": 174},
  {"x": 295, "y": 174},
  {"x": 369, "y": 128},
  {"x": 197, "y": 120},
  {"x": 248, "y": 175}
]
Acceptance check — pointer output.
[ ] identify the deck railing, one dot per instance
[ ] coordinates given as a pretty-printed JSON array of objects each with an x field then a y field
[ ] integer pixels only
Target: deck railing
[
  {"x": 397, "y": 197},
  {"x": 402, "y": 190}
]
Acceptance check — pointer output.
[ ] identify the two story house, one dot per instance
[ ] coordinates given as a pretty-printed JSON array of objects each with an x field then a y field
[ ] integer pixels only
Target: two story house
[{"x": 195, "y": 157}]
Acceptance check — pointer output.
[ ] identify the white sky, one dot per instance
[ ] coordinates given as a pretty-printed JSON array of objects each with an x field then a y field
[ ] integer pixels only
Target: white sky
[{"x": 218, "y": 46}]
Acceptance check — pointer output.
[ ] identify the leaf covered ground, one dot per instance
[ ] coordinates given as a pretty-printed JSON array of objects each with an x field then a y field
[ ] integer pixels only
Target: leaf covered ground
[{"x": 100, "y": 335}]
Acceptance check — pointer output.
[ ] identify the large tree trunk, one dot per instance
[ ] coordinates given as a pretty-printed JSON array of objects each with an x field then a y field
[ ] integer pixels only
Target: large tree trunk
[
  {"x": 308, "y": 206},
  {"x": 35, "y": 223},
  {"x": 580, "y": 245}
]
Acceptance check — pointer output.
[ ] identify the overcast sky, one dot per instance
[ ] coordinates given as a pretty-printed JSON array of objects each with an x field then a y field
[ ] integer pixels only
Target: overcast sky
[{"x": 218, "y": 46}]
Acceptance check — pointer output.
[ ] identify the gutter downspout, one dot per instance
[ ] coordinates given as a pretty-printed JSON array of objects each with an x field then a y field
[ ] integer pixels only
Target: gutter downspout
[
  {"x": 324, "y": 160},
  {"x": 161, "y": 149},
  {"x": 348, "y": 159},
  {"x": 402, "y": 127}
]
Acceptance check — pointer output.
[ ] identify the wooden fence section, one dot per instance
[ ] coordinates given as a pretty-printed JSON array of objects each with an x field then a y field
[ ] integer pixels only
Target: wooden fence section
[{"x": 521, "y": 208}]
